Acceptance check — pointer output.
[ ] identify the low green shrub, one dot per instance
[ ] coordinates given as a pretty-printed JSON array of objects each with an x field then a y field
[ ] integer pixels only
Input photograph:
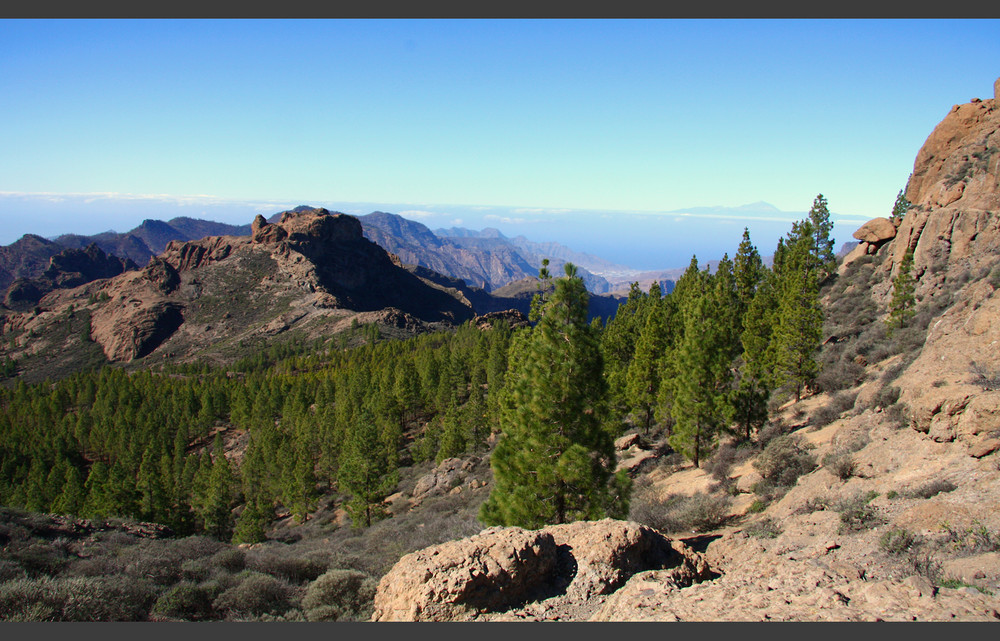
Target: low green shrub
[
  {"x": 185, "y": 601},
  {"x": 340, "y": 595},
  {"x": 840, "y": 463},
  {"x": 784, "y": 460},
  {"x": 856, "y": 515},
  {"x": 897, "y": 541},
  {"x": 256, "y": 594}
]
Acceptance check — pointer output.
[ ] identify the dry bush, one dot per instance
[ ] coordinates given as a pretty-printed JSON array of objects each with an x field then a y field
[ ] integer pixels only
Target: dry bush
[
  {"x": 340, "y": 595},
  {"x": 784, "y": 460},
  {"x": 255, "y": 595},
  {"x": 287, "y": 565},
  {"x": 676, "y": 513},
  {"x": 840, "y": 463},
  {"x": 927, "y": 490},
  {"x": 185, "y": 601},
  {"x": 76, "y": 599},
  {"x": 840, "y": 403},
  {"x": 763, "y": 529}
]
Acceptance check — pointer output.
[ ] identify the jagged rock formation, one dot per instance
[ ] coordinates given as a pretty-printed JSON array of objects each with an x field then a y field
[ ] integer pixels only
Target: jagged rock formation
[
  {"x": 67, "y": 269},
  {"x": 311, "y": 272},
  {"x": 501, "y": 569},
  {"x": 25, "y": 258}
]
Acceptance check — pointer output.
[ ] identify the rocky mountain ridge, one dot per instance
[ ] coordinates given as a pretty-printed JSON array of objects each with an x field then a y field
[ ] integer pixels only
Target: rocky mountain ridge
[{"x": 311, "y": 272}]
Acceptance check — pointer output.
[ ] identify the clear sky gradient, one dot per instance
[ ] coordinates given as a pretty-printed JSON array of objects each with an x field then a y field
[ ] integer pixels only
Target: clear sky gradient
[{"x": 446, "y": 118}]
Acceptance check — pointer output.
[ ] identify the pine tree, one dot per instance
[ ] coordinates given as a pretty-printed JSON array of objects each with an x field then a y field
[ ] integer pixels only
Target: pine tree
[
  {"x": 748, "y": 271},
  {"x": 644, "y": 376},
  {"x": 215, "y": 509},
  {"x": 366, "y": 473},
  {"x": 903, "y": 286},
  {"x": 822, "y": 226},
  {"x": 554, "y": 460},
  {"x": 900, "y": 207},
  {"x": 799, "y": 316},
  {"x": 700, "y": 371},
  {"x": 756, "y": 371}
]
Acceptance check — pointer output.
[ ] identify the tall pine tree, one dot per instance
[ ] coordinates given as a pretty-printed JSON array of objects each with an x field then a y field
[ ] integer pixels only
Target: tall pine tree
[{"x": 554, "y": 462}]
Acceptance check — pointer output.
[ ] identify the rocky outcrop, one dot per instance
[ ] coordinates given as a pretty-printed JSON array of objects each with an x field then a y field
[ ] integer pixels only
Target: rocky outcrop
[
  {"x": 504, "y": 568},
  {"x": 514, "y": 318},
  {"x": 67, "y": 269},
  {"x": 26, "y": 258},
  {"x": 876, "y": 231}
]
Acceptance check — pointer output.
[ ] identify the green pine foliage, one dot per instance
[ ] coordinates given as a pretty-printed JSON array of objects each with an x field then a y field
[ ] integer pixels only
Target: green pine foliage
[
  {"x": 900, "y": 207},
  {"x": 901, "y": 307},
  {"x": 554, "y": 461},
  {"x": 367, "y": 475},
  {"x": 822, "y": 226},
  {"x": 701, "y": 360},
  {"x": 799, "y": 321},
  {"x": 643, "y": 376}
]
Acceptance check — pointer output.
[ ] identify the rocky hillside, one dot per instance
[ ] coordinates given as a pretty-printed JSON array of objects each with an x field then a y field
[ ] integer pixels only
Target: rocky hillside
[
  {"x": 311, "y": 274},
  {"x": 873, "y": 498}
]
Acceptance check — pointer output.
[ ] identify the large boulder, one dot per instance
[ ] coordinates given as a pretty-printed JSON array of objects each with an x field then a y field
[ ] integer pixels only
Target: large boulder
[
  {"x": 876, "y": 231},
  {"x": 504, "y": 568},
  {"x": 498, "y": 569}
]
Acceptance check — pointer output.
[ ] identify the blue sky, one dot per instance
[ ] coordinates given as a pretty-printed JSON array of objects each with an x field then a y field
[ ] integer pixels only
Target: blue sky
[{"x": 582, "y": 130}]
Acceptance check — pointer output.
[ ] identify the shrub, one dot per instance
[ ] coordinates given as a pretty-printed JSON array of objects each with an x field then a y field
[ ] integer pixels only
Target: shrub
[
  {"x": 763, "y": 529},
  {"x": 255, "y": 595},
  {"x": 229, "y": 559},
  {"x": 784, "y": 460},
  {"x": 76, "y": 599},
  {"x": 988, "y": 379},
  {"x": 757, "y": 506},
  {"x": 841, "y": 374},
  {"x": 840, "y": 463},
  {"x": 896, "y": 541},
  {"x": 721, "y": 462},
  {"x": 856, "y": 515},
  {"x": 294, "y": 569},
  {"x": 895, "y": 416},
  {"x": 185, "y": 601},
  {"x": 340, "y": 595},
  {"x": 814, "y": 504},
  {"x": 886, "y": 396},
  {"x": 932, "y": 488},
  {"x": 699, "y": 512},
  {"x": 926, "y": 566},
  {"x": 975, "y": 539},
  {"x": 840, "y": 403}
]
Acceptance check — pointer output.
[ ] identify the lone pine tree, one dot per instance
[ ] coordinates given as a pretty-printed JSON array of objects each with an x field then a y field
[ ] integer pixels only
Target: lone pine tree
[
  {"x": 555, "y": 459},
  {"x": 903, "y": 299}
]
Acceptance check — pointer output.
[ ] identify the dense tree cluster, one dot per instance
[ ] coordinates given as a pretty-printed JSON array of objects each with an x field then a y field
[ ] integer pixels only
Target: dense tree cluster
[
  {"x": 705, "y": 359},
  {"x": 224, "y": 452},
  {"x": 151, "y": 445}
]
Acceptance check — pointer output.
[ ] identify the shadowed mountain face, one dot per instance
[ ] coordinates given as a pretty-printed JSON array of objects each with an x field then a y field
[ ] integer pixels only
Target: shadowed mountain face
[
  {"x": 25, "y": 258},
  {"x": 69, "y": 268}
]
